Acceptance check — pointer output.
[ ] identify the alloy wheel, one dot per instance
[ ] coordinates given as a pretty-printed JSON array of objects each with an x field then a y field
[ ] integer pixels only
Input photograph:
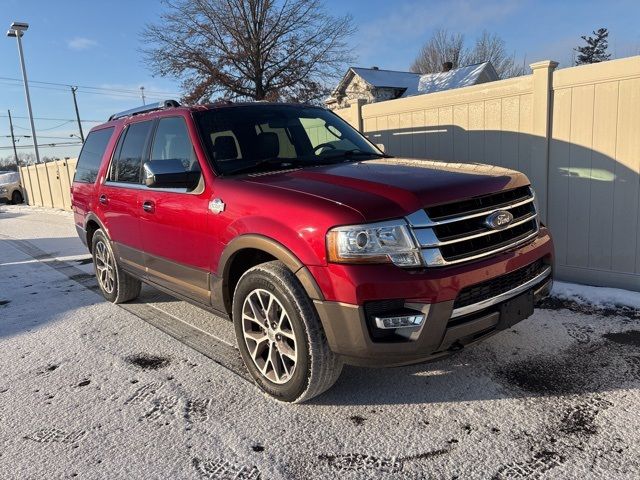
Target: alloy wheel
[
  {"x": 269, "y": 336},
  {"x": 105, "y": 267}
]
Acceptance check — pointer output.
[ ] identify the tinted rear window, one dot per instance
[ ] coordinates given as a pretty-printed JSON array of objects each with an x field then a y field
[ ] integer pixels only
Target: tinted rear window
[
  {"x": 128, "y": 164},
  {"x": 91, "y": 155}
]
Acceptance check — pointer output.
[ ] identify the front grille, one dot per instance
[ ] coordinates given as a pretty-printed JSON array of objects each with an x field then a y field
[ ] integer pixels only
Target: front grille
[
  {"x": 486, "y": 202},
  {"x": 456, "y": 232},
  {"x": 499, "y": 285}
]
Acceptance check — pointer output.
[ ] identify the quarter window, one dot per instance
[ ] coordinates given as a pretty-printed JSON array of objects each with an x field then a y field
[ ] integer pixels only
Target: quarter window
[{"x": 91, "y": 155}]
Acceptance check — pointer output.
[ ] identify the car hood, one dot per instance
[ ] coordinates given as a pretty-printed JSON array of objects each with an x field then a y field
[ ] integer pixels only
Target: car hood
[{"x": 394, "y": 187}]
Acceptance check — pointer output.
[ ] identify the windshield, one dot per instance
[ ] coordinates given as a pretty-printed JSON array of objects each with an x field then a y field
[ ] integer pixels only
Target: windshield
[{"x": 259, "y": 138}]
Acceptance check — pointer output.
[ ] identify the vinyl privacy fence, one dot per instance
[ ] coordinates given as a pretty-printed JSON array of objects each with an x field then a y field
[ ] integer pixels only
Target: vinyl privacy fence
[
  {"x": 575, "y": 132},
  {"x": 49, "y": 184}
]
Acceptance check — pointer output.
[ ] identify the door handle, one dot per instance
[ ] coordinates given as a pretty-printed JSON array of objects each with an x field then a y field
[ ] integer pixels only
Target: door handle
[
  {"x": 103, "y": 199},
  {"x": 148, "y": 206}
]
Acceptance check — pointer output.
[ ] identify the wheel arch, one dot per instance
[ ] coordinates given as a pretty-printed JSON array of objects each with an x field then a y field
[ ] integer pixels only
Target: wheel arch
[{"x": 249, "y": 250}]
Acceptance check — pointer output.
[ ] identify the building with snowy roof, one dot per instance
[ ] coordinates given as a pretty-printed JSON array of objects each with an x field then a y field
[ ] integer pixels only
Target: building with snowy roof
[{"x": 376, "y": 85}]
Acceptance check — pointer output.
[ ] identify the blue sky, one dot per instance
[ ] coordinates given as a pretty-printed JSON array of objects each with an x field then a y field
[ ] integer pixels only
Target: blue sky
[{"x": 96, "y": 44}]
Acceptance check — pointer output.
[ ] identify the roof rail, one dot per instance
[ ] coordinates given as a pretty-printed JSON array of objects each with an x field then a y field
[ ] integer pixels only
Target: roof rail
[{"x": 145, "y": 108}]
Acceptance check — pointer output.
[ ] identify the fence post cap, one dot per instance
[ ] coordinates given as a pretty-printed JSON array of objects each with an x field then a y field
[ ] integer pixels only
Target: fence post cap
[{"x": 549, "y": 64}]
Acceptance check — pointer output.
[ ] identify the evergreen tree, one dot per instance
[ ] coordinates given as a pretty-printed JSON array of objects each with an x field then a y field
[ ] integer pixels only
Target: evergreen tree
[{"x": 595, "y": 49}]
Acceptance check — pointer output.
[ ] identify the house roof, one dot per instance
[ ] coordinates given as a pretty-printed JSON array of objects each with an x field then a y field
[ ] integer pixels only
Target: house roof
[
  {"x": 415, "y": 83},
  {"x": 380, "y": 78},
  {"x": 455, "y": 78}
]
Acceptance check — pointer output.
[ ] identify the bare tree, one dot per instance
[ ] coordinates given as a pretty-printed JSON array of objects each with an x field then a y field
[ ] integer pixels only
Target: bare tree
[
  {"x": 442, "y": 47},
  {"x": 249, "y": 49},
  {"x": 490, "y": 47}
]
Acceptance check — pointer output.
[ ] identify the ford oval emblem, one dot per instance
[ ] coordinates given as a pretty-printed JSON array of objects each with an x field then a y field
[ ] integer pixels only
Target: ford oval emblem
[{"x": 498, "y": 220}]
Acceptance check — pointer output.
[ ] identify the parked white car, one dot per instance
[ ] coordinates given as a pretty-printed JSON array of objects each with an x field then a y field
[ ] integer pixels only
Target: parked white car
[{"x": 10, "y": 187}]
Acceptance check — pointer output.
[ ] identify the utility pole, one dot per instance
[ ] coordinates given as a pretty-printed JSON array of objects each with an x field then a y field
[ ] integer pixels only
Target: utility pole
[
  {"x": 16, "y": 30},
  {"x": 142, "y": 93},
  {"x": 75, "y": 104},
  {"x": 13, "y": 141}
]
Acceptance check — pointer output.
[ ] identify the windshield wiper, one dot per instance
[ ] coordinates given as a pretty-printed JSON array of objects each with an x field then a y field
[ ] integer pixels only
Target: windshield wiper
[
  {"x": 265, "y": 161},
  {"x": 348, "y": 154}
]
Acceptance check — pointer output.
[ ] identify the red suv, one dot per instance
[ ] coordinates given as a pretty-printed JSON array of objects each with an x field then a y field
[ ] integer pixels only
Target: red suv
[{"x": 320, "y": 248}]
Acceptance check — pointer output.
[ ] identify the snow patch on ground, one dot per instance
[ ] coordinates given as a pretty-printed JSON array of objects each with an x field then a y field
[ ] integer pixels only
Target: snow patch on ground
[{"x": 600, "y": 297}]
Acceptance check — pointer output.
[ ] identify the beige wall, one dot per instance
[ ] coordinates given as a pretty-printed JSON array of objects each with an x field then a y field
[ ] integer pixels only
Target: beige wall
[
  {"x": 49, "y": 184},
  {"x": 575, "y": 132}
]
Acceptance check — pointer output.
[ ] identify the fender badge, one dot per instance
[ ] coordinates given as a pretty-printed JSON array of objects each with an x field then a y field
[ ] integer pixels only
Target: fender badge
[{"x": 216, "y": 205}]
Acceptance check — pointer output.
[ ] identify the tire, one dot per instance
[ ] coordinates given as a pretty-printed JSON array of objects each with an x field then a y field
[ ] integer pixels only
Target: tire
[
  {"x": 267, "y": 350},
  {"x": 116, "y": 285},
  {"x": 16, "y": 198}
]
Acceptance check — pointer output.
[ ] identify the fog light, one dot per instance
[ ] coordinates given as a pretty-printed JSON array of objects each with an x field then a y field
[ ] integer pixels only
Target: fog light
[{"x": 399, "y": 321}]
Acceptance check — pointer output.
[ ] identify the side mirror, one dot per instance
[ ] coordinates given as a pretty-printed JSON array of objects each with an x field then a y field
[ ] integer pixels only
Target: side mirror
[
  {"x": 380, "y": 147},
  {"x": 169, "y": 174}
]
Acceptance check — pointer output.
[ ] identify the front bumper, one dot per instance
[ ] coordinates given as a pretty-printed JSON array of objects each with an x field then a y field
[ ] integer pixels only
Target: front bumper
[
  {"x": 445, "y": 329},
  {"x": 348, "y": 335}
]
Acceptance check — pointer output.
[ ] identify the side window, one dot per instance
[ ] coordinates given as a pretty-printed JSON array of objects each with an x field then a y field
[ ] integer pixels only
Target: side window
[
  {"x": 91, "y": 155},
  {"x": 172, "y": 144},
  {"x": 172, "y": 148},
  {"x": 126, "y": 166}
]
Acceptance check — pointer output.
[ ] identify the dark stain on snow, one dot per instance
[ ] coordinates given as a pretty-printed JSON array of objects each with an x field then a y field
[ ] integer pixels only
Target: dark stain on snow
[
  {"x": 257, "y": 448},
  {"x": 147, "y": 362},
  {"x": 552, "y": 303},
  {"x": 4, "y": 302},
  {"x": 630, "y": 337},
  {"x": 581, "y": 419},
  {"x": 84, "y": 383},
  {"x": 357, "y": 419}
]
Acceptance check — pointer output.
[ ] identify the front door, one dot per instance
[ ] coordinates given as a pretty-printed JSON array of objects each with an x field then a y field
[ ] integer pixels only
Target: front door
[
  {"x": 173, "y": 222},
  {"x": 119, "y": 196}
]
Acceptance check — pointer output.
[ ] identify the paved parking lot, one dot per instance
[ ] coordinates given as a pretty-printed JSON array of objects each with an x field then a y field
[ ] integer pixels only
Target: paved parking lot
[{"x": 156, "y": 389}]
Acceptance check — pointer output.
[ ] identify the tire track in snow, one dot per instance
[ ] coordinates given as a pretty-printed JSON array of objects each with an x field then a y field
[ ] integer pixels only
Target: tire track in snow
[{"x": 214, "y": 348}]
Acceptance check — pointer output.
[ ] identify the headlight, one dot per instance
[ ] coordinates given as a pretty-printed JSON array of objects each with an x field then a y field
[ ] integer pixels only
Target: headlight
[
  {"x": 3, "y": 190},
  {"x": 384, "y": 242}
]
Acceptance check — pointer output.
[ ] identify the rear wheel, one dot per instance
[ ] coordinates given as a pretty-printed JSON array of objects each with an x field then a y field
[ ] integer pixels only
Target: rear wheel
[
  {"x": 16, "y": 198},
  {"x": 280, "y": 337},
  {"x": 116, "y": 285}
]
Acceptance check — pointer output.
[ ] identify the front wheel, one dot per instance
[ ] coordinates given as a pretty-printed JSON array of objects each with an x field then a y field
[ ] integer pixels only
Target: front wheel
[
  {"x": 280, "y": 337},
  {"x": 116, "y": 285}
]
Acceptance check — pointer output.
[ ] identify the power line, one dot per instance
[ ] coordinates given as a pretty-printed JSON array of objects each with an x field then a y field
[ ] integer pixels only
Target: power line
[
  {"x": 107, "y": 89},
  {"x": 44, "y": 145},
  {"x": 52, "y": 119}
]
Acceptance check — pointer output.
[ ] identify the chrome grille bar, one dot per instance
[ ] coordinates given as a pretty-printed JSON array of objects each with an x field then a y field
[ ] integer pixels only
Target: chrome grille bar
[
  {"x": 466, "y": 310},
  {"x": 437, "y": 252}
]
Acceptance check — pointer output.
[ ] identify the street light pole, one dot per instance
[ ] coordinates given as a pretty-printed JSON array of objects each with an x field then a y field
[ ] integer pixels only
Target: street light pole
[
  {"x": 75, "y": 104},
  {"x": 16, "y": 30},
  {"x": 13, "y": 140}
]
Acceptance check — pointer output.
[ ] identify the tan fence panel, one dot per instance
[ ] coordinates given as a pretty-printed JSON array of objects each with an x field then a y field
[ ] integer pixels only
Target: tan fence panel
[
  {"x": 485, "y": 123},
  {"x": 594, "y": 173},
  {"x": 55, "y": 188},
  {"x": 26, "y": 184},
  {"x": 49, "y": 184},
  {"x": 35, "y": 182}
]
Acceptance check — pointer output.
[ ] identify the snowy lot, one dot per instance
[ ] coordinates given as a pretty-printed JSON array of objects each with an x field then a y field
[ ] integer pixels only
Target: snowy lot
[{"x": 155, "y": 389}]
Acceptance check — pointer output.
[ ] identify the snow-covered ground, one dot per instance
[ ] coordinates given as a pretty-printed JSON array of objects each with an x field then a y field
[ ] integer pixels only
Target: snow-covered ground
[{"x": 155, "y": 389}]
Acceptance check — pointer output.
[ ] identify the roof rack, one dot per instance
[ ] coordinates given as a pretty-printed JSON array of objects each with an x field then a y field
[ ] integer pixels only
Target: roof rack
[{"x": 145, "y": 108}]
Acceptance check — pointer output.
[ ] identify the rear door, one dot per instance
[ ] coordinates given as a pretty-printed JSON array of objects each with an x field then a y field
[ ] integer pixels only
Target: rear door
[
  {"x": 119, "y": 196},
  {"x": 173, "y": 224}
]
